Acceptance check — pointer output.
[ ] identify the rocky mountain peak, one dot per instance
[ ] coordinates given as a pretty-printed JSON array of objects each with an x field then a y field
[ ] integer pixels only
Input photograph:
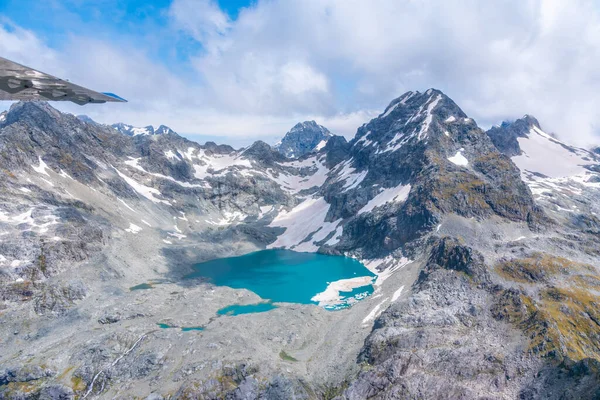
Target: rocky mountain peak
[
  {"x": 414, "y": 104},
  {"x": 302, "y": 139},
  {"x": 505, "y": 136},
  {"x": 425, "y": 149},
  {"x": 32, "y": 111},
  {"x": 411, "y": 118}
]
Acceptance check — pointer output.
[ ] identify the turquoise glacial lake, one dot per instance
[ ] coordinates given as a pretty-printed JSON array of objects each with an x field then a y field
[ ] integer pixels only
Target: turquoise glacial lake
[{"x": 285, "y": 276}]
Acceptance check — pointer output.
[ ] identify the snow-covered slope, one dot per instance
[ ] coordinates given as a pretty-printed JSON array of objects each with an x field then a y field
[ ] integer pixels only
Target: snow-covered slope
[
  {"x": 546, "y": 155},
  {"x": 561, "y": 176}
]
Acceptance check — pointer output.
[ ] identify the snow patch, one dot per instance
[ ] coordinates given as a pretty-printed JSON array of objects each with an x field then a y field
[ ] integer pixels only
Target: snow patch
[
  {"x": 215, "y": 163},
  {"x": 140, "y": 131},
  {"x": 133, "y": 229},
  {"x": 389, "y": 111},
  {"x": 228, "y": 218},
  {"x": 300, "y": 222},
  {"x": 145, "y": 191},
  {"x": 394, "y": 194},
  {"x": 345, "y": 172},
  {"x": 459, "y": 159},
  {"x": 326, "y": 229},
  {"x": 63, "y": 174},
  {"x": 336, "y": 236},
  {"x": 364, "y": 139},
  {"x": 27, "y": 219},
  {"x": 429, "y": 117},
  {"x": 407, "y": 97},
  {"x": 451, "y": 118},
  {"x": 41, "y": 169},
  {"x": 397, "y": 294},
  {"x": 331, "y": 295},
  {"x": 265, "y": 210},
  {"x": 296, "y": 183},
  {"x": 125, "y": 204},
  {"x": 320, "y": 145},
  {"x": 171, "y": 155},
  {"x": 389, "y": 264},
  {"x": 47, "y": 182},
  {"x": 374, "y": 313},
  {"x": 134, "y": 162}
]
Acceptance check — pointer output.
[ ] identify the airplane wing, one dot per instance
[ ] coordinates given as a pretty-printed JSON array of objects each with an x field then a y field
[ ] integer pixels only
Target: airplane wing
[{"x": 18, "y": 82}]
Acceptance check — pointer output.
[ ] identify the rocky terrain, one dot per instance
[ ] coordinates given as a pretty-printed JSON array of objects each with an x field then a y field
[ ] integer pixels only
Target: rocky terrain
[{"x": 486, "y": 247}]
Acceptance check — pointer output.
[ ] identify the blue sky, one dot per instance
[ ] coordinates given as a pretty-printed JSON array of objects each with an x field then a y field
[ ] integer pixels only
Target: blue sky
[
  {"x": 136, "y": 21},
  {"x": 241, "y": 70}
]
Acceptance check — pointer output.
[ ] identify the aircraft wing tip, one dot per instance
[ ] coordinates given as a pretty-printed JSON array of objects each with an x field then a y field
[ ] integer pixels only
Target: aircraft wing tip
[{"x": 115, "y": 97}]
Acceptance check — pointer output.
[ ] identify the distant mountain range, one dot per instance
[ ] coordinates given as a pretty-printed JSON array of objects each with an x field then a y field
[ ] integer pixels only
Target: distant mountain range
[{"x": 146, "y": 131}]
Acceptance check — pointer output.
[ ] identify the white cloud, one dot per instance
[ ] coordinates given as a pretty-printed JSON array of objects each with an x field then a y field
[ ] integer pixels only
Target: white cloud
[
  {"x": 281, "y": 61},
  {"x": 20, "y": 44},
  {"x": 297, "y": 79},
  {"x": 497, "y": 60},
  {"x": 203, "y": 19}
]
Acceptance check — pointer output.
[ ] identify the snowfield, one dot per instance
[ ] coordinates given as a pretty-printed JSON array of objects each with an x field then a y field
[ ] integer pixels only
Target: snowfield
[
  {"x": 303, "y": 220},
  {"x": 541, "y": 152}
]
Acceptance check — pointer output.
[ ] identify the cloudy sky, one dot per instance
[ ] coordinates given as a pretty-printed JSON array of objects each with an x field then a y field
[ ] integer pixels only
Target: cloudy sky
[{"x": 241, "y": 70}]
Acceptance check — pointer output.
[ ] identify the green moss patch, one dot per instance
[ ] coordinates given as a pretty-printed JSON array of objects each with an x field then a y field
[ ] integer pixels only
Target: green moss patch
[{"x": 286, "y": 357}]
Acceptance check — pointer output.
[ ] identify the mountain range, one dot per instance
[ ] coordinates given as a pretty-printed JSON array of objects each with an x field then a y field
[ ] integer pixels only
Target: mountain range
[{"x": 485, "y": 245}]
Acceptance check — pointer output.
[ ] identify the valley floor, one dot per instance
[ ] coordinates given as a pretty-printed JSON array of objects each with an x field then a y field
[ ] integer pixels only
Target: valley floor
[{"x": 113, "y": 333}]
